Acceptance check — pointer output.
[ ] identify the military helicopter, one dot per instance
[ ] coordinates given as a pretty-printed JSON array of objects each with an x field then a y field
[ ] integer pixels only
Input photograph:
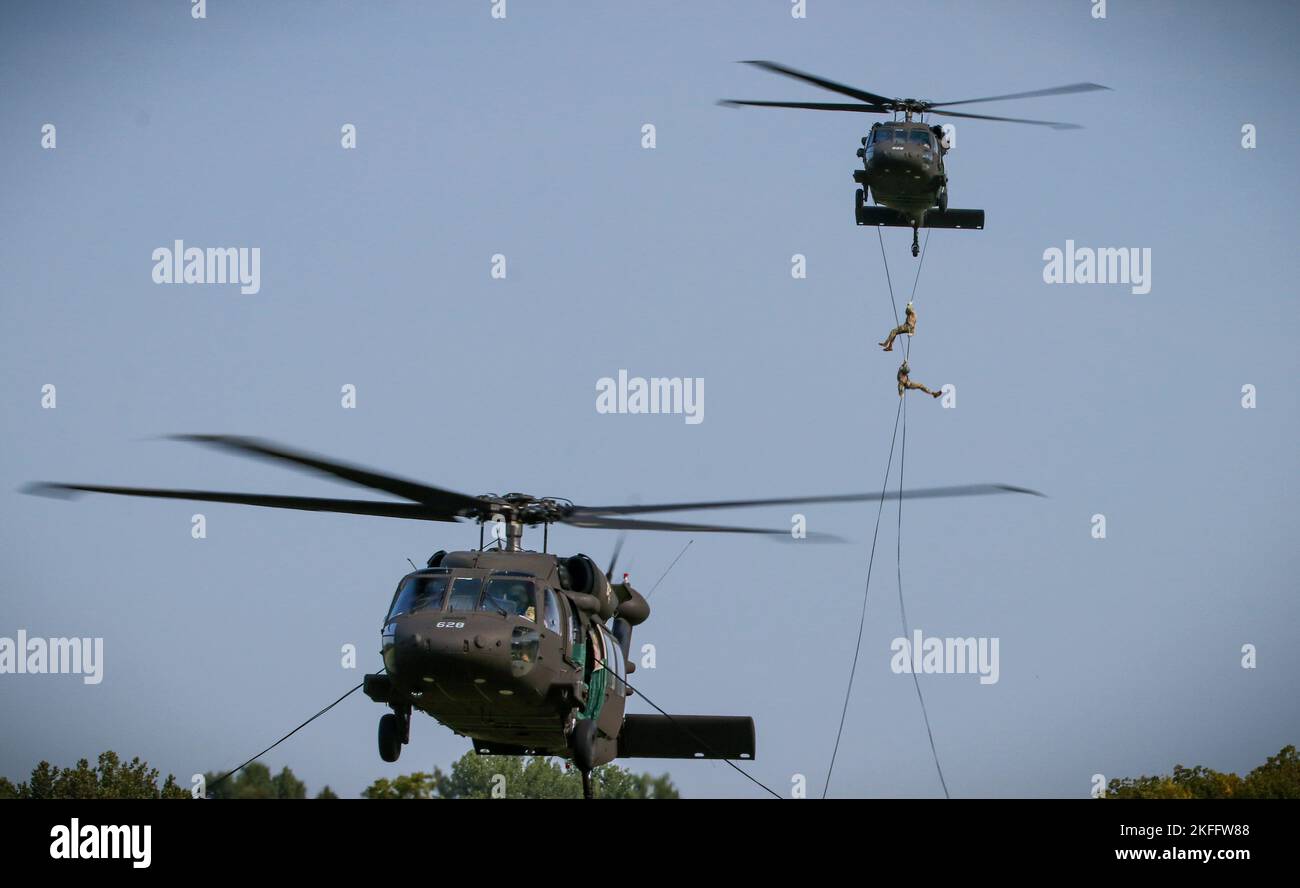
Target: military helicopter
[
  {"x": 525, "y": 653},
  {"x": 902, "y": 160}
]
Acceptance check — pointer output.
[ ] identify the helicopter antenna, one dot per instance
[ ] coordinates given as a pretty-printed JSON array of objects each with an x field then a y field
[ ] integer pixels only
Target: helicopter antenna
[
  {"x": 412, "y": 563},
  {"x": 670, "y": 567}
]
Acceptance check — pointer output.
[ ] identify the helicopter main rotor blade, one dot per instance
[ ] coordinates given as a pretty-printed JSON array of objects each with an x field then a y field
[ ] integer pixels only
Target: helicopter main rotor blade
[
  {"x": 920, "y": 493},
  {"x": 376, "y": 508},
  {"x": 850, "y": 91},
  {"x": 617, "y": 523},
  {"x": 811, "y": 106},
  {"x": 447, "y": 502},
  {"x": 1054, "y": 124},
  {"x": 1050, "y": 91}
]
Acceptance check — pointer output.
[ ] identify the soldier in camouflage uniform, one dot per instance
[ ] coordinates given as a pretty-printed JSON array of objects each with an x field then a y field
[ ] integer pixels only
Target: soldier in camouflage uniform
[
  {"x": 908, "y": 326},
  {"x": 905, "y": 383}
]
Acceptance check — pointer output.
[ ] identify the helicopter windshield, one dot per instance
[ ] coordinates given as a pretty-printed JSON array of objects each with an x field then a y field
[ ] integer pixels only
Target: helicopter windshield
[
  {"x": 883, "y": 134},
  {"x": 921, "y": 137},
  {"x": 510, "y": 596},
  {"x": 464, "y": 593},
  {"x": 419, "y": 593}
]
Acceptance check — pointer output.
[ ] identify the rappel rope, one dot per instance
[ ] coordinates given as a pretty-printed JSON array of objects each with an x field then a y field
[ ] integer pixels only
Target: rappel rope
[
  {"x": 902, "y": 609},
  {"x": 901, "y": 414},
  {"x": 866, "y": 591}
]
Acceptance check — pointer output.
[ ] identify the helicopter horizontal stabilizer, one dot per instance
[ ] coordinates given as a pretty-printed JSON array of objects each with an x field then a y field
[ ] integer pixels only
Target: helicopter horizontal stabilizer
[
  {"x": 954, "y": 219},
  {"x": 687, "y": 737},
  {"x": 891, "y": 218}
]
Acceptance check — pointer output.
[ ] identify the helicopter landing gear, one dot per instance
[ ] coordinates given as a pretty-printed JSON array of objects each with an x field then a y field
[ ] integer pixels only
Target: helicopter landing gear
[
  {"x": 582, "y": 741},
  {"x": 916, "y": 243},
  {"x": 394, "y": 732},
  {"x": 390, "y": 737},
  {"x": 860, "y": 200},
  {"x": 943, "y": 199}
]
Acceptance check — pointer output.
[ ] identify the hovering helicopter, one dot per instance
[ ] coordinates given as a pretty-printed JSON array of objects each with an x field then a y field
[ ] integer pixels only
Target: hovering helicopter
[
  {"x": 525, "y": 653},
  {"x": 902, "y": 160}
]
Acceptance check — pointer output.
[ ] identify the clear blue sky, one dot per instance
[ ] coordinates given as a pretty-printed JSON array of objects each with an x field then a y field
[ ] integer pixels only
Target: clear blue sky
[{"x": 522, "y": 137}]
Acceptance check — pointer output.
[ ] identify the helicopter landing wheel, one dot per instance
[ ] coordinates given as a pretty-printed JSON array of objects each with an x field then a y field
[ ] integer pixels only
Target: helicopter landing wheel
[
  {"x": 391, "y": 732},
  {"x": 586, "y": 785},
  {"x": 943, "y": 200}
]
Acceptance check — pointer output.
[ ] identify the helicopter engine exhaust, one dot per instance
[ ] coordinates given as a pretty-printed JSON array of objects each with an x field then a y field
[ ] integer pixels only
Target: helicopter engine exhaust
[{"x": 590, "y": 588}]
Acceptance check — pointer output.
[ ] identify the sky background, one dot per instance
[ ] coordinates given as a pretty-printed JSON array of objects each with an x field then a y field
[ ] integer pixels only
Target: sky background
[{"x": 523, "y": 137}]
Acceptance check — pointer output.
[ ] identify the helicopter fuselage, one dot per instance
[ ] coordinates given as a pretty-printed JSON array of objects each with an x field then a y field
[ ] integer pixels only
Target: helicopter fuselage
[
  {"x": 902, "y": 168},
  {"x": 507, "y": 648}
]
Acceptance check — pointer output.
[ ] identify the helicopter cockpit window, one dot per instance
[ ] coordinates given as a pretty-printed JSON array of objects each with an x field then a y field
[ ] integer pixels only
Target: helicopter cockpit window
[
  {"x": 922, "y": 137},
  {"x": 614, "y": 661},
  {"x": 575, "y": 626},
  {"x": 883, "y": 134},
  {"x": 419, "y": 593},
  {"x": 511, "y": 597},
  {"x": 464, "y": 593},
  {"x": 551, "y": 612}
]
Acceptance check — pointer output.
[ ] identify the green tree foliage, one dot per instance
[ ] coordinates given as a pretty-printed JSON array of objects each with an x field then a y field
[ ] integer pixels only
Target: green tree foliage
[
  {"x": 327, "y": 793},
  {"x": 475, "y": 776},
  {"x": 256, "y": 782},
  {"x": 1278, "y": 778},
  {"x": 108, "y": 779},
  {"x": 409, "y": 786}
]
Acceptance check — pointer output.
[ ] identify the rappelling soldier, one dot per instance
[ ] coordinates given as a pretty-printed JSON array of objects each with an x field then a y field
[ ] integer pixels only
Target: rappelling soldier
[
  {"x": 905, "y": 383},
  {"x": 908, "y": 326}
]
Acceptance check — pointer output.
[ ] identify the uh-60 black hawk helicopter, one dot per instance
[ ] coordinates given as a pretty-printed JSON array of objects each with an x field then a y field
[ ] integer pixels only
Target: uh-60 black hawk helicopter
[
  {"x": 902, "y": 160},
  {"x": 526, "y": 653}
]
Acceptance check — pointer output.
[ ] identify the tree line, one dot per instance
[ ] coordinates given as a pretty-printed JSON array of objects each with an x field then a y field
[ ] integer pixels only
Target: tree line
[{"x": 472, "y": 776}]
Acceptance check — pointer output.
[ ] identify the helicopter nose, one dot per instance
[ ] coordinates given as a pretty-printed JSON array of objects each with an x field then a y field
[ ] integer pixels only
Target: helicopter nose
[{"x": 423, "y": 649}]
